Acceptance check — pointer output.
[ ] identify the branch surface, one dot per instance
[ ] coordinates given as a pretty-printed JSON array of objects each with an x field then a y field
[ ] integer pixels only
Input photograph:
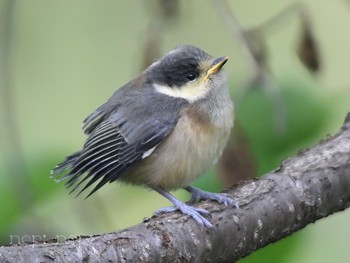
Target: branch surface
[{"x": 312, "y": 185}]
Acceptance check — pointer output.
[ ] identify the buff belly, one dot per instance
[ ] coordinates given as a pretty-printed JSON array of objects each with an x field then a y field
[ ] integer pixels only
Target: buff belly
[{"x": 195, "y": 147}]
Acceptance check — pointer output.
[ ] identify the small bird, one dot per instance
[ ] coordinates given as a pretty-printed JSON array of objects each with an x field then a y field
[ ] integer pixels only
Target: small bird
[{"x": 161, "y": 130}]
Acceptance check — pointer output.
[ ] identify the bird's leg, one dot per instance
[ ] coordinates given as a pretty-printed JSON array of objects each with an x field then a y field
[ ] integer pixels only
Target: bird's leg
[
  {"x": 195, "y": 213},
  {"x": 198, "y": 194}
]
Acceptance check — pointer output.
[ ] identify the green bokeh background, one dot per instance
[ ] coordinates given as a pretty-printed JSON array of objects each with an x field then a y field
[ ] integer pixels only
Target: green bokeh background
[{"x": 69, "y": 57}]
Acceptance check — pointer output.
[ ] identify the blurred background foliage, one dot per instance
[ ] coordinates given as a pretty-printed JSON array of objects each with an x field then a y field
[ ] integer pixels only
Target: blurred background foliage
[{"x": 59, "y": 60}]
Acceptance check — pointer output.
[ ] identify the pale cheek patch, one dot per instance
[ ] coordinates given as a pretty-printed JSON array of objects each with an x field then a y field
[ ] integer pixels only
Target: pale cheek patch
[{"x": 190, "y": 92}]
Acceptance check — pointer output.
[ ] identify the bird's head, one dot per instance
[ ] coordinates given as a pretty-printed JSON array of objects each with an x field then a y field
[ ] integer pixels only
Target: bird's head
[{"x": 187, "y": 72}]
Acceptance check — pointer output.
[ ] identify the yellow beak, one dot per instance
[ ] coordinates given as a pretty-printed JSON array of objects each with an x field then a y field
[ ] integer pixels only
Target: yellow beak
[{"x": 216, "y": 66}]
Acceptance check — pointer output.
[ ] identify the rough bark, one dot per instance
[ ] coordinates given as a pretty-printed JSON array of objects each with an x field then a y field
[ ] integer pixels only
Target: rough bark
[{"x": 305, "y": 188}]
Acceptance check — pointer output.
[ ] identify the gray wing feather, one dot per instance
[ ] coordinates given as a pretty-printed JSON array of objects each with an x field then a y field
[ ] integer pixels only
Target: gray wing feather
[{"x": 119, "y": 132}]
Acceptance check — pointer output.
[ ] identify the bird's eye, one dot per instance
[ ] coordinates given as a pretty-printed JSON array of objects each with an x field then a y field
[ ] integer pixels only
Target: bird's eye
[{"x": 191, "y": 76}]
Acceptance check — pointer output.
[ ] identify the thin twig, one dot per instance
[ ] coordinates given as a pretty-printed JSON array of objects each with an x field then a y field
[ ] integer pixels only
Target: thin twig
[
  {"x": 237, "y": 31},
  {"x": 277, "y": 22}
]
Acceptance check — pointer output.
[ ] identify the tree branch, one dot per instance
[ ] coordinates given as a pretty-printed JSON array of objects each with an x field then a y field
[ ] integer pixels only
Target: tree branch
[{"x": 305, "y": 188}]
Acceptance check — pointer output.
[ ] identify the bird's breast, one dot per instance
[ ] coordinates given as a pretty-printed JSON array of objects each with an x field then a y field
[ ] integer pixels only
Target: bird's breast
[{"x": 194, "y": 146}]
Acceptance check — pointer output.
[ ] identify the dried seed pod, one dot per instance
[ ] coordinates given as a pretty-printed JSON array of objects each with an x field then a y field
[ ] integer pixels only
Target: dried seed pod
[{"x": 307, "y": 49}]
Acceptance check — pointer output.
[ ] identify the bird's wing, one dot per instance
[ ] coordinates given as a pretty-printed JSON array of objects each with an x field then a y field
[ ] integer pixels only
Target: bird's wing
[
  {"x": 117, "y": 140},
  {"x": 106, "y": 155}
]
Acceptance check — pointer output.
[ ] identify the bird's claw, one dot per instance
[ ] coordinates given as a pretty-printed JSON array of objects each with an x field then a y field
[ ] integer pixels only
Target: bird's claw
[
  {"x": 221, "y": 198},
  {"x": 194, "y": 212},
  {"x": 165, "y": 210}
]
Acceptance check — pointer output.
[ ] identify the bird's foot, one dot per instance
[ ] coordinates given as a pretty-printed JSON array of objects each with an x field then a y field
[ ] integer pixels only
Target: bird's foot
[
  {"x": 194, "y": 212},
  {"x": 221, "y": 198}
]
